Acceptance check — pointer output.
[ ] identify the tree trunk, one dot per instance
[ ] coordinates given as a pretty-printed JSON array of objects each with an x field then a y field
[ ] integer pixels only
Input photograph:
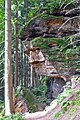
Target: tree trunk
[
  {"x": 8, "y": 60},
  {"x": 26, "y": 6},
  {"x": 26, "y": 57},
  {"x": 21, "y": 65},
  {"x": 16, "y": 56}
]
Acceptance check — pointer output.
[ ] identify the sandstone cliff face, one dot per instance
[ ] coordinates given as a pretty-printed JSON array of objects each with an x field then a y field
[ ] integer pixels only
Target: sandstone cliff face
[
  {"x": 53, "y": 31},
  {"x": 49, "y": 28},
  {"x": 52, "y": 27}
]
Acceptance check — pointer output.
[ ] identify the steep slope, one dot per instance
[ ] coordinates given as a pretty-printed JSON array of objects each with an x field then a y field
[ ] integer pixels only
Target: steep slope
[{"x": 52, "y": 44}]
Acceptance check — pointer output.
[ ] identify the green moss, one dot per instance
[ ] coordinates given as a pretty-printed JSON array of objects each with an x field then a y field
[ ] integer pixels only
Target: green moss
[
  {"x": 57, "y": 115},
  {"x": 72, "y": 110},
  {"x": 16, "y": 116},
  {"x": 73, "y": 106},
  {"x": 29, "y": 97},
  {"x": 42, "y": 43},
  {"x": 65, "y": 105},
  {"x": 51, "y": 5},
  {"x": 78, "y": 93},
  {"x": 47, "y": 16},
  {"x": 40, "y": 93},
  {"x": 76, "y": 102}
]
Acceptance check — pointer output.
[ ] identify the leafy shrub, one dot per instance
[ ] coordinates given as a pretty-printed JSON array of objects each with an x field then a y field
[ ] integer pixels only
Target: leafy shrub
[
  {"x": 16, "y": 116},
  {"x": 1, "y": 105},
  {"x": 40, "y": 93},
  {"x": 52, "y": 5}
]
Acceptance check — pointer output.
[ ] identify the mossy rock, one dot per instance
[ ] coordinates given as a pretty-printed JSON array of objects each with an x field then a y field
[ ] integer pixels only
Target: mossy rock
[{"x": 34, "y": 104}]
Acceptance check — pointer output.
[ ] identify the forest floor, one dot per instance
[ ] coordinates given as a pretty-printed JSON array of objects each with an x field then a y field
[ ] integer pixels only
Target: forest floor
[{"x": 68, "y": 109}]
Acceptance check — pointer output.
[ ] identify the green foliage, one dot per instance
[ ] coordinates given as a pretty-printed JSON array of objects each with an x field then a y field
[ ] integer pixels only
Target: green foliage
[
  {"x": 70, "y": 105},
  {"x": 51, "y": 5},
  {"x": 70, "y": 50},
  {"x": 43, "y": 80},
  {"x": 39, "y": 42},
  {"x": 2, "y": 19},
  {"x": 28, "y": 95},
  {"x": 42, "y": 43},
  {"x": 65, "y": 105},
  {"x": 1, "y": 109},
  {"x": 1, "y": 105},
  {"x": 76, "y": 102},
  {"x": 33, "y": 8},
  {"x": 78, "y": 93},
  {"x": 57, "y": 115},
  {"x": 18, "y": 91},
  {"x": 63, "y": 95},
  {"x": 40, "y": 93},
  {"x": 16, "y": 116},
  {"x": 72, "y": 110},
  {"x": 2, "y": 34},
  {"x": 67, "y": 46}
]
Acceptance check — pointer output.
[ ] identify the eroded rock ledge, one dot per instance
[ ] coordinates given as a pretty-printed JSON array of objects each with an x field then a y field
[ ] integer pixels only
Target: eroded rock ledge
[{"x": 59, "y": 26}]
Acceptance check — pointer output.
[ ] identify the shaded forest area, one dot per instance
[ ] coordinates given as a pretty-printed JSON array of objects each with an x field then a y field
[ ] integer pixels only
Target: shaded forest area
[{"x": 41, "y": 80}]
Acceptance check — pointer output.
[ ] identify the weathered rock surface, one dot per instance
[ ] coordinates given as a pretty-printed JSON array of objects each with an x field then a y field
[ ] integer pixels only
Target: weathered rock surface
[
  {"x": 66, "y": 23},
  {"x": 51, "y": 27}
]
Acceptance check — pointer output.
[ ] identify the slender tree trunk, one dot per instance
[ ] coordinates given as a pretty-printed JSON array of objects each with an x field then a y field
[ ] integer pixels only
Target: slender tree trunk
[
  {"x": 27, "y": 72},
  {"x": 16, "y": 55},
  {"x": 26, "y": 6},
  {"x": 8, "y": 60},
  {"x": 26, "y": 57},
  {"x": 22, "y": 67},
  {"x": 31, "y": 77}
]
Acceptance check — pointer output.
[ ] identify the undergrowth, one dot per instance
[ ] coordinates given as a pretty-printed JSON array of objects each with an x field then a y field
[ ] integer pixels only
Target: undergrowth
[{"x": 69, "y": 106}]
